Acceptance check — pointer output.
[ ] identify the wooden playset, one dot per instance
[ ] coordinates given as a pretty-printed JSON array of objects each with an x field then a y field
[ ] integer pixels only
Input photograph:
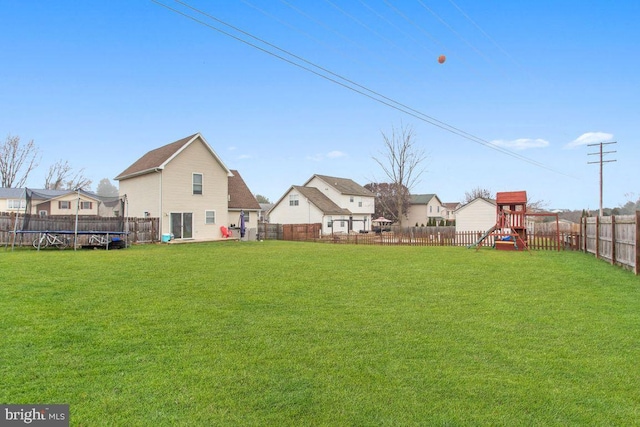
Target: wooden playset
[{"x": 510, "y": 232}]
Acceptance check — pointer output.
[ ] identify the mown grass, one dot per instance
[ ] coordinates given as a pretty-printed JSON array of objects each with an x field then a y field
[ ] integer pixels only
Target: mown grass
[{"x": 282, "y": 333}]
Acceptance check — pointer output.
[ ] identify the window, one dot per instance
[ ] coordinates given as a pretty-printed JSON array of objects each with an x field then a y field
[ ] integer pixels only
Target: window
[
  {"x": 16, "y": 204},
  {"x": 197, "y": 183},
  {"x": 430, "y": 209},
  {"x": 64, "y": 204},
  {"x": 42, "y": 213},
  {"x": 293, "y": 200},
  {"x": 247, "y": 218},
  {"x": 86, "y": 205},
  {"x": 437, "y": 208},
  {"x": 209, "y": 217},
  {"x": 351, "y": 199}
]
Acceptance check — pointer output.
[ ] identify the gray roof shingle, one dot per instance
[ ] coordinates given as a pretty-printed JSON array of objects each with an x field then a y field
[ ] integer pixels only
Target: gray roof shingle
[
  {"x": 321, "y": 201},
  {"x": 344, "y": 185}
]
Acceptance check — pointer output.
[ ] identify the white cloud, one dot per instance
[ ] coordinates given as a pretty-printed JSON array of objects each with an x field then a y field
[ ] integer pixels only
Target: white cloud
[
  {"x": 232, "y": 148},
  {"x": 590, "y": 138},
  {"x": 336, "y": 154},
  {"x": 330, "y": 155},
  {"x": 244, "y": 156},
  {"x": 521, "y": 143}
]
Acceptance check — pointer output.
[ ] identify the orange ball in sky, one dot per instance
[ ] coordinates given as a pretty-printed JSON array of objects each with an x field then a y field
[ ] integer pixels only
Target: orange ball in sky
[{"x": 441, "y": 59}]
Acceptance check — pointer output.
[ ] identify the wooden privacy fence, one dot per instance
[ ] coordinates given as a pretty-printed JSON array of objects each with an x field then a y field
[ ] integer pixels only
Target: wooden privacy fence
[
  {"x": 140, "y": 230},
  {"x": 301, "y": 232},
  {"x": 615, "y": 239},
  {"x": 268, "y": 231}
]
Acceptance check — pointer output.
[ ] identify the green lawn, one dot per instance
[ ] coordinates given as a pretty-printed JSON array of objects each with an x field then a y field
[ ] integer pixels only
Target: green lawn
[{"x": 283, "y": 333}]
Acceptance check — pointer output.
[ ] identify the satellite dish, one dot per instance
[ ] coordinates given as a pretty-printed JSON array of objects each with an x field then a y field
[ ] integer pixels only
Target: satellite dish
[{"x": 441, "y": 59}]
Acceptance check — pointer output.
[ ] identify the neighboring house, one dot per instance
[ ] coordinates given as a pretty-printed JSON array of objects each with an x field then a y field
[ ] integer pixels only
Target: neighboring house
[
  {"x": 242, "y": 200},
  {"x": 477, "y": 215},
  {"x": 425, "y": 207},
  {"x": 57, "y": 202},
  {"x": 339, "y": 204},
  {"x": 450, "y": 211},
  {"x": 185, "y": 184},
  {"x": 264, "y": 211}
]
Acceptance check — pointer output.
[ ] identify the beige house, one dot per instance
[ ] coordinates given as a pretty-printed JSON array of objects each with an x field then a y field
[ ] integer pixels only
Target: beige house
[
  {"x": 423, "y": 208},
  {"x": 339, "y": 204},
  {"x": 185, "y": 184},
  {"x": 450, "y": 211},
  {"x": 57, "y": 202},
  {"x": 477, "y": 215}
]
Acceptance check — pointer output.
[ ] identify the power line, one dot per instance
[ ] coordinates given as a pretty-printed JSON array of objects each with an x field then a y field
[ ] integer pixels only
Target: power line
[{"x": 345, "y": 82}]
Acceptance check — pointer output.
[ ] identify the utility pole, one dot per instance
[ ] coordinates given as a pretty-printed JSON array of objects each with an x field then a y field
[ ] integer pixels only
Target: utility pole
[{"x": 601, "y": 162}]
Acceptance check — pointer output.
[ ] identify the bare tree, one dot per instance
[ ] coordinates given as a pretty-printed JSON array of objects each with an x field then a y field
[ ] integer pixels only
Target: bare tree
[
  {"x": 477, "y": 192},
  {"x": 401, "y": 163},
  {"x": 61, "y": 177},
  {"x": 387, "y": 199},
  {"x": 17, "y": 161},
  {"x": 536, "y": 205}
]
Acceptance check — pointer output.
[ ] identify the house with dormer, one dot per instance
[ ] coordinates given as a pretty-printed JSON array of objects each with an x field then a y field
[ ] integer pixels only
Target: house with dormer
[{"x": 339, "y": 204}]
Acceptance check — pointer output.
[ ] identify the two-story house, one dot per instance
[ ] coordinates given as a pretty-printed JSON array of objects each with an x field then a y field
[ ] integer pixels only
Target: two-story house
[
  {"x": 339, "y": 204},
  {"x": 185, "y": 184},
  {"x": 425, "y": 208}
]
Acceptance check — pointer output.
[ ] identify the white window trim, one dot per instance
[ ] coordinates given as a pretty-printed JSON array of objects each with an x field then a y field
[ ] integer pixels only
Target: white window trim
[
  {"x": 11, "y": 204},
  {"x": 206, "y": 217},
  {"x": 193, "y": 184}
]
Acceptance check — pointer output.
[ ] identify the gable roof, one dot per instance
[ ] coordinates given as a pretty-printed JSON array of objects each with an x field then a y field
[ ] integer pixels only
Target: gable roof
[
  {"x": 321, "y": 201},
  {"x": 240, "y": 197},
  {"x": 343, "y": 185},
  {"x": 157, "y": 159},
  {"x": 317, "y": 198},
  {"x": 43, "y": 194},
  {"x": 423, "y": 199},
  {"x": 477, "y": 200}
]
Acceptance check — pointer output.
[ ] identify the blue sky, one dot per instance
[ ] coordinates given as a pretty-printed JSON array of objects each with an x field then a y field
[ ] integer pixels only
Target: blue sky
[{"x": 99, "y": 83}]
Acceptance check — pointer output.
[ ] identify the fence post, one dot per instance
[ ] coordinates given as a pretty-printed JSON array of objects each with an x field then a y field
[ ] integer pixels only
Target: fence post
[
  {"x": 613, "y": 240},
  {"x": 597, "y": 252},
  {"x": 637, "y": 248}
]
